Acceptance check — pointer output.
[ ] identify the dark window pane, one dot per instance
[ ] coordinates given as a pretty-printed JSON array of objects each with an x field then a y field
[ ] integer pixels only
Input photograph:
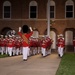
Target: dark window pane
[
  {"x": 6, "y": 8},
  {"x": 6, "y": 15},
  {"x": 51, "y": 15},
  {"x": 33, "y": 8},
  {"x": 6, "y": 11},
  {"x": 69, "y": 14},
  {"x": 32, "y": 11},
  {"x": 51, "y": 8},
  {"x": 51, "y": 11},
  {"x": 32, "y": 15},
  {"x": 69, "y": 8}
]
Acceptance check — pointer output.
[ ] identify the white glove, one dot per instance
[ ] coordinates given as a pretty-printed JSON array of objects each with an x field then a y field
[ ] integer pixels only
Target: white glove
[
  {"x": 19, "y": 29},
  {"x": 30, "y": 28}
]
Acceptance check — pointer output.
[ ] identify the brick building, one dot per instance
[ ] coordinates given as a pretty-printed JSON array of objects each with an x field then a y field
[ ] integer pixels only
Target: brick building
[{"x": 15, "y": 13}]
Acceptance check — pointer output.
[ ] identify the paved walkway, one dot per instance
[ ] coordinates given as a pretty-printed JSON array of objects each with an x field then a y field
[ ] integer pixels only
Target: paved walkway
[{"x": 35, "y": 65}]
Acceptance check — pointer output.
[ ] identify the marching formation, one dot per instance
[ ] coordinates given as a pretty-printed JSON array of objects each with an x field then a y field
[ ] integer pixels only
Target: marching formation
[
  {"x": 12, "y": 45},
  {"x": 27, "y": 45},
  {"x": 46, "y": 46}
]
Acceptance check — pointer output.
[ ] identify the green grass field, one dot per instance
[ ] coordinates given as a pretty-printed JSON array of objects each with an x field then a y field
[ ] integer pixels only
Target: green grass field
[
  {"x": 3, "y": 56},
  {"x": 67, "y": 65}
]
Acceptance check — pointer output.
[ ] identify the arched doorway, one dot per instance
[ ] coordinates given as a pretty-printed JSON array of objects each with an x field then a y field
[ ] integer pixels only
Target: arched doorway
[
  {"x": 5, "y": 30},
  {"x": 53, "y": 36},
  {"x": 69, "y": 40}
]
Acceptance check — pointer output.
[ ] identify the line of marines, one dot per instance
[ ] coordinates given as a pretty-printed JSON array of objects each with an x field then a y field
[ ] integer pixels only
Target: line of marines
[{"x": 12, "y": 45}]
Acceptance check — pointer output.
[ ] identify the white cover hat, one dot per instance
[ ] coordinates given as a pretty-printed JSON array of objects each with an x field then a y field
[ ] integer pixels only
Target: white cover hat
[
  {"x": 1, "y": 35},
  {"x": 6, "y": 36},
  {"x": 60, "y": 35},
  {"x": 10, "y": 36}
]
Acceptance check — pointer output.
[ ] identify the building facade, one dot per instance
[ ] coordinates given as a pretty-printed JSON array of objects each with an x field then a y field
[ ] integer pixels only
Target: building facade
[{"x": 15, "y": 13}]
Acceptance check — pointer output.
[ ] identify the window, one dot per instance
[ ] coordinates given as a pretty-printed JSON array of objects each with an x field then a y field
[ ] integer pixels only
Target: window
[
  {"x": 52, "y": 9},
  {"x": 6, "y": 10},
  {"x": 69, "y": 9},
  {"x": 33, "y": 9}
]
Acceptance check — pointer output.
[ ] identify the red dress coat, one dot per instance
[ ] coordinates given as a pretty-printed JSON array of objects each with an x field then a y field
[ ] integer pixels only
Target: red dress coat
[{"x": 24, "y": 44}]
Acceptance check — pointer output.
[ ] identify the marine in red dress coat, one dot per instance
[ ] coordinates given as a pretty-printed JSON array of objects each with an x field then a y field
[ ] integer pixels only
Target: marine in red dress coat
[
  {"x": 25, "y": 36},
  {"x": 61, "y": 45}
]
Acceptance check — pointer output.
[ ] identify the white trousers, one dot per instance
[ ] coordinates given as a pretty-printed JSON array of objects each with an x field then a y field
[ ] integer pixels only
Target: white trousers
[
  {"x": 2, "y": 50},
  {"x": 14, "y": 51},
  {"x": 6, "y": 50},
  {"x": 17, "y": 51},
  {"x": 28, "y": 54},
  {"x": 10, "y": 51},
  {"x": 21, "y": 52},
  {"x": 38, "y": 50},
  {"x": 43, "y": 51},
  {"x": 34, "y": 51},
  {"x": 60, "y": 51},
  {"x": 49, "y": 51},
  {"x": 25, "y": 52}
]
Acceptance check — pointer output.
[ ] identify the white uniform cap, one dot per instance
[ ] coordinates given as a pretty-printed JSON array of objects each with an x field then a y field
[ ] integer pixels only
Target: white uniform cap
[
  {"x": 60, "y": 35},
  {"x": 10, "y": 36},
  {"x": 63, "y": 38},
  {"x": 6, "y": 36},
  {"x": 43, "y": 36},
  {"x": 33, "y": 37},
  {"x": 13, "y": 35},
  {"x": 1, "y": 35},
  {"x": 17, "y": 37}
]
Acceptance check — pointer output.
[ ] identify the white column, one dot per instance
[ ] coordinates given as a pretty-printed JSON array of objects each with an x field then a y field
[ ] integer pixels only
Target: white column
[{"x": 48, "y": 18}]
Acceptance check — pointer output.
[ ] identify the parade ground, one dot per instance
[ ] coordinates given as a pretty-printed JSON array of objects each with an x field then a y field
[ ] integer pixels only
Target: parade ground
[{"x": 35, "y": 65}]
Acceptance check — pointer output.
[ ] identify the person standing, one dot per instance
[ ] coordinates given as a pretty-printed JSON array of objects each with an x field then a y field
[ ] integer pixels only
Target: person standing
[
  {"x": 44, "y": 47},
  {"x": 6, "y": 40},
  {"x": 17, "y": 45},
  {"x": 60, "y": 44},
  {"x": 10, "y": 45},
  {"x": 14, "y": 49},
  {"x": 2, "y": 44},
  {"x": 25, "y": 36}
]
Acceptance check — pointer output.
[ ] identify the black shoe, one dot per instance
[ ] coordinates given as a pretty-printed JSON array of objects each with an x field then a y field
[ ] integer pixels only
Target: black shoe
[
  {"x": 24, "y": 59},
  {"x": 41, "y": 54},
  {"x": 59, "y": 55}
]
